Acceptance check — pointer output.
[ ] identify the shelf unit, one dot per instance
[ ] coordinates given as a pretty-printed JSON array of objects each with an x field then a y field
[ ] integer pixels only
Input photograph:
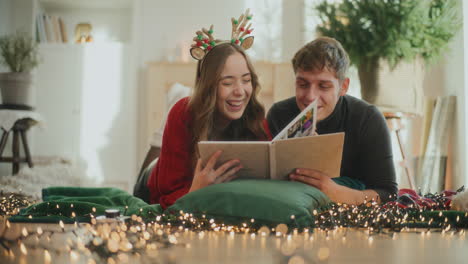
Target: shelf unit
[{"x": 111, "y": 20}]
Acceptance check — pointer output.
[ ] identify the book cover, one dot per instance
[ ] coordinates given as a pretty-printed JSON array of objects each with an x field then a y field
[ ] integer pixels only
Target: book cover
[
  {"x": 56, "y": 29},
  {"x": 63, "y": 30},
  {"x": 38, "y": 30},
  {"x": 47, "y": 27}
]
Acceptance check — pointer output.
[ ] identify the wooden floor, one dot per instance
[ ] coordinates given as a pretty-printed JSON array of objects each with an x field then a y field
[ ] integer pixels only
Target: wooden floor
[{"x": 339, "y": 246}]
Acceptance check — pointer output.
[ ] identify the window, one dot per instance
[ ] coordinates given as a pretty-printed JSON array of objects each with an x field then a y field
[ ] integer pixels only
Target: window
[{"x": 267, "y": 24}]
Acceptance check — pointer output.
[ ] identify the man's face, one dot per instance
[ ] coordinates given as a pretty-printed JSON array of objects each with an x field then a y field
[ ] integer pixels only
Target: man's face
[{"x": 321, "y": 85}]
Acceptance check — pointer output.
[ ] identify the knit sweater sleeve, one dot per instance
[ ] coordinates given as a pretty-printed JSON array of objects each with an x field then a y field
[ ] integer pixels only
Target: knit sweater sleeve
[
  {"x": 376, "y": 158},
  {"x": 172, "y": 177}
]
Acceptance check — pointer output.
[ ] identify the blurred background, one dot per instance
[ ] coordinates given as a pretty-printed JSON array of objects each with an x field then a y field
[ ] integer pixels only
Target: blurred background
[{"x": 107, "y": 66}]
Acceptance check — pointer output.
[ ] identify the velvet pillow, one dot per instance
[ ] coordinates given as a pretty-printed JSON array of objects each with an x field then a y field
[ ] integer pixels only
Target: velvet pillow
[
  {"x": 60, "y": 202},
  {"x": 269, "y": 202}
]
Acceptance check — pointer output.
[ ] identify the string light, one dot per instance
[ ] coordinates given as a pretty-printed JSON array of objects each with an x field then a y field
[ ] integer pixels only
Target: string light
[
  {"x": 11, "y": 203},
  {"x": 138, "y": 234}
]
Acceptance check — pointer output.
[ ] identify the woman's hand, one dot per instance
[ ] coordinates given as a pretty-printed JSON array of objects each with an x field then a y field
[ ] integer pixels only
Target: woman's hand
[{"x": 208, "y": 175}]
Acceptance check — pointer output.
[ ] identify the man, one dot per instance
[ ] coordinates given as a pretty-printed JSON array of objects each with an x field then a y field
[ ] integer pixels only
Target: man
[{"x": 320, "y": 68}]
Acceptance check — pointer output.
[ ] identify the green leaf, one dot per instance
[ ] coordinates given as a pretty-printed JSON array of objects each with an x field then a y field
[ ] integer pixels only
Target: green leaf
[
  {"x": 19, "y": 52},
  {"x": 392, "y": 30}
]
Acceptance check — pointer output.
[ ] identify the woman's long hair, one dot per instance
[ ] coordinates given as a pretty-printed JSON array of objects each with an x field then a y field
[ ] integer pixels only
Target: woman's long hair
[{"x": 203, "y": 107}]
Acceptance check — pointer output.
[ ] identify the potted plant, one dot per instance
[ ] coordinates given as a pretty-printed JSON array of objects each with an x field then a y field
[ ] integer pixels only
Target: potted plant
[
  {"x": 19, "y": 53},
  {"x": 376, "y": 32}
]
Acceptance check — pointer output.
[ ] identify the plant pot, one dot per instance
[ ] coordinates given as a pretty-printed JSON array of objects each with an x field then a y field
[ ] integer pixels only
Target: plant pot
[
  {"x": 368, "y": 72},
  {"x": 398, "y": 89},
  {"x": 17, "y": 89}
]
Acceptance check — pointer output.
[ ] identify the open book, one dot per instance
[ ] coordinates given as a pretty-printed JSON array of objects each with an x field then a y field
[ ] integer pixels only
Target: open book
[{"x": 295, "y": 146}]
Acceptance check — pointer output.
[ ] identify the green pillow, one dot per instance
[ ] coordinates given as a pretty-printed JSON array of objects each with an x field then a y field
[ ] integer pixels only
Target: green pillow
[
  {"x": 60, "y": 202},
  {"x": 269, "y": 202}
]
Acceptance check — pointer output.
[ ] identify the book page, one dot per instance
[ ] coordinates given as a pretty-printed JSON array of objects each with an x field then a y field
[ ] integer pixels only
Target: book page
[
  {"x": 302, "y": 125},
  {"x": 321, "y": 152},
  {"x": 253, "y": 155}
]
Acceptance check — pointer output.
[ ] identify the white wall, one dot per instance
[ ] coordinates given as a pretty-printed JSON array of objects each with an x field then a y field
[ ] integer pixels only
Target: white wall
[
  {"x": 5, "y": 6},
  {"x": 22, "y": 15},
  {"x": 166, "y": 28},
  {"x": 447, "y": 77},
  {"x": 89, "y": 110},
  {"x": 164, "y": 31},
  {"x": 5, "y": 28},
  {"x": 463, "y": 179},
  {"x": 293, "y": 26}
]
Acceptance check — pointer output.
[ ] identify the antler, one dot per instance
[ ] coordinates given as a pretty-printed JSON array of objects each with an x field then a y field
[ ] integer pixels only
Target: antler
[
  {"x": 204, "y": 41},
  {"x": 238, "y": 28}
]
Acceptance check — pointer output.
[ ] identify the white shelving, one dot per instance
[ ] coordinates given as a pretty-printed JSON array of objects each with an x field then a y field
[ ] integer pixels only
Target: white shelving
[
  {"x": 110, "y": 20},
  {"x": 88, "y": 4}
]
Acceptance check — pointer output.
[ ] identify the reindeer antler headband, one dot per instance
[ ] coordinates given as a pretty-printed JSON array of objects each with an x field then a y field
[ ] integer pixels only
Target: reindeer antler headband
[{"x": 204, "y": 41}]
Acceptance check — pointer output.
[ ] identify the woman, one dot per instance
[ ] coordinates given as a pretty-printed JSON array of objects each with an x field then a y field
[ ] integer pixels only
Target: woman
[{"x": 224, "y": 106}]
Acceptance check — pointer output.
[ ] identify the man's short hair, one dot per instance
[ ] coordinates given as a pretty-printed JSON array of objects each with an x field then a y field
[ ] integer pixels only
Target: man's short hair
[{"x": 323, "y": 52}]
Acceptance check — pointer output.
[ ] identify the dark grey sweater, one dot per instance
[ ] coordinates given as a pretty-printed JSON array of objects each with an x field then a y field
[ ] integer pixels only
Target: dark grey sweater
[{"x": 367, "y": 151}]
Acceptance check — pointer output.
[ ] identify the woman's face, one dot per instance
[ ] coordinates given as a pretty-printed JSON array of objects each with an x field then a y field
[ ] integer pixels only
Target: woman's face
[{"x": 234, "y": 89}]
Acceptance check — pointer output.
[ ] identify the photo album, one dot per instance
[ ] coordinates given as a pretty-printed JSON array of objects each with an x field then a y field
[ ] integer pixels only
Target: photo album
[{"x": 296, "y": 146}]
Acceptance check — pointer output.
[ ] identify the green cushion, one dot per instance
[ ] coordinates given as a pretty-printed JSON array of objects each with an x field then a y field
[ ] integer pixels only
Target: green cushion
[
  {"x": 268, "y": 202},
  {"x": 60, "y": 202}
]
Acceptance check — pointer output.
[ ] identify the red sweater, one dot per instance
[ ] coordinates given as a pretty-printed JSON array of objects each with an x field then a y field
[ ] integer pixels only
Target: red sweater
[{"x": 172, "y": 176}]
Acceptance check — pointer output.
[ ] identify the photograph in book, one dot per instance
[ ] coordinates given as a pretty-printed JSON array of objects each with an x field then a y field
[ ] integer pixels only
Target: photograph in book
[{"x": 302, "y": 125}]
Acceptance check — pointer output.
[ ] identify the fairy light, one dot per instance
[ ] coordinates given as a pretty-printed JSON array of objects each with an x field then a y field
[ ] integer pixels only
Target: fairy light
[
  {"x": 74, "y": 256},
  {"x": 23, "y": 249},
  {"x": 323, "y": 253},
  {"x": 139, "y": 234},
  {"x": 62, "y": 226},
  {"x": 24, "y": 232},
  {"x": 10, "y": 203},
  {"x": 296, "y": 260},
  {"x": 47, "y": 257}
]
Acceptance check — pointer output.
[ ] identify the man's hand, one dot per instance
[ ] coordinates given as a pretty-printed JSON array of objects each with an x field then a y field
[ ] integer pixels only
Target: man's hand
[
  {"x": 337, "y": 193},
  {"x": 319, "y": 180}
]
